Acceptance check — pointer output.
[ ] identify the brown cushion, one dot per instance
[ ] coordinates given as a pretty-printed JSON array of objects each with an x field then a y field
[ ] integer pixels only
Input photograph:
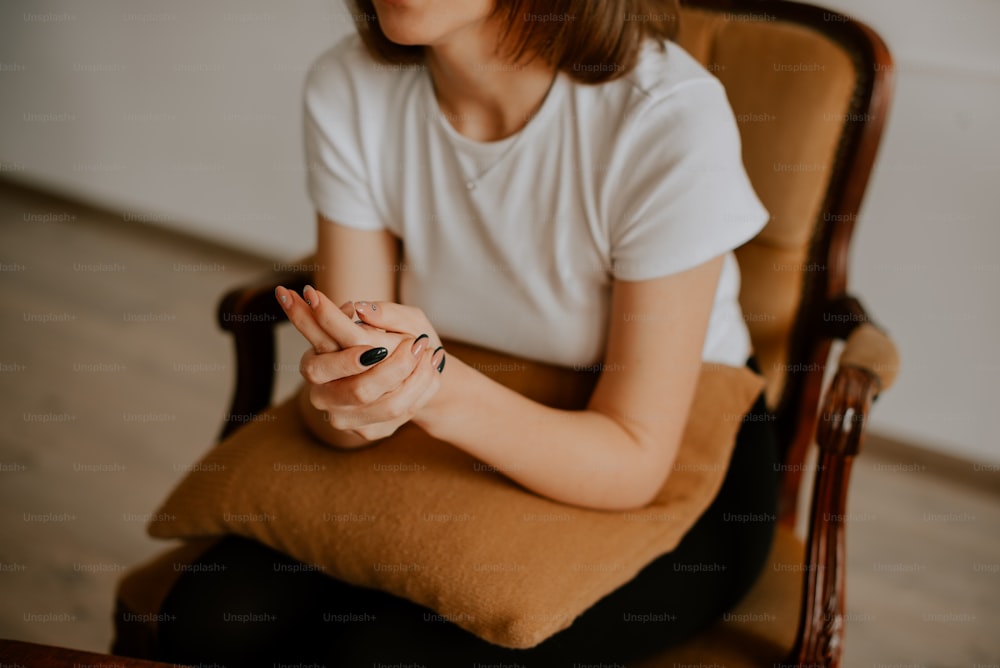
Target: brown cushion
[{"x": 423, "y": 520}]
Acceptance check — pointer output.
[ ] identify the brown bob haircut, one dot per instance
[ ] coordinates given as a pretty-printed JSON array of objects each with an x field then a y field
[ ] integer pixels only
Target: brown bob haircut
[{"x": 590, "y": 40}]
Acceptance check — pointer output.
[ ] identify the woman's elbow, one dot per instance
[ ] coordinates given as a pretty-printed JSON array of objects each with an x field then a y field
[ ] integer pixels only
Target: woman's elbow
[
  {"x": 641, "y": 483},
  {"x": 632, "y": 497},
  {"x": 635, "y": 489}
]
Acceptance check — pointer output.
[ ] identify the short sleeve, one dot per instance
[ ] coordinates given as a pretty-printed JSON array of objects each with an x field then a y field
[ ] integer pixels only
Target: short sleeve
[
  {"x": 683, "y": 195},
  {"x": 338, "y": 179}
]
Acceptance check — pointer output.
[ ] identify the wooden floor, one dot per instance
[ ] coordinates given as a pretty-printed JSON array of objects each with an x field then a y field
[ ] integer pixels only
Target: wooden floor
[{"x": 114, "y": 376}]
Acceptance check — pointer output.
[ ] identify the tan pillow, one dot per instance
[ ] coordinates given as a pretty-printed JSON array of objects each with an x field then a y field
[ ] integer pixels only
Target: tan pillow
[{"x": 425, "y": 521}]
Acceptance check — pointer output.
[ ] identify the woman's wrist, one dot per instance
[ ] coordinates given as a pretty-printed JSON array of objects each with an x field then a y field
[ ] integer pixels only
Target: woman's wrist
[{"x": 443, "y": 407}]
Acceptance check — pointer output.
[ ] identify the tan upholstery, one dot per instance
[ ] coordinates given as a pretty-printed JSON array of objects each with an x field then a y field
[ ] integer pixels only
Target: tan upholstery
[
  {"x": 698, "y": 29},
  {"x": 869, "y": 348},
  {"x": 790, "y": 100}
]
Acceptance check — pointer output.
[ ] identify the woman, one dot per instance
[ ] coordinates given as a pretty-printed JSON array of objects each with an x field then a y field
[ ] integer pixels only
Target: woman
[{"x": 560, "y": 184}]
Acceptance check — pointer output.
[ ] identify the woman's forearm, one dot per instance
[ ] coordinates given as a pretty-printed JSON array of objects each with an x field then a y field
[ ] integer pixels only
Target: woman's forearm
[{"x": 581, "y": 458}]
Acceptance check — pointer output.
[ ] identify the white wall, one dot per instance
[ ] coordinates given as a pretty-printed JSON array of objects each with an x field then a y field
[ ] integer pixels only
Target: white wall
[
  {"x": 188, "y": 112},
  {"x": 926, "y": 252}
]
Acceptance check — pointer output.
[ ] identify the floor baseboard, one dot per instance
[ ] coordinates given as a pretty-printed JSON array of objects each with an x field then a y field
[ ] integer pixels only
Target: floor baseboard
[{"x": 977, "y": 475}]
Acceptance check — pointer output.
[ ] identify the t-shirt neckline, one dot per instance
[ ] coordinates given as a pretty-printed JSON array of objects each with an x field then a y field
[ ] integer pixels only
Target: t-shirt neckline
[{"x": 491, "y": 148}]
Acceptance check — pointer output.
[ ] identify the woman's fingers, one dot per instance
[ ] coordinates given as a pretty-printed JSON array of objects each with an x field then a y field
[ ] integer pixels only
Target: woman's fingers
[
  {"x": 393, "y": 317},
  {"x": 300, "y": 314},
  {"x": 368, "y": 369},
  {"x": 381, "y": 378},
  {"x": 391, "y": 389},
  {"x": 328, "y": 328},
  {"x": 321, "y": 368},
  {"x": 334, "y": 320},
  {"x": 396, "y": 408}
]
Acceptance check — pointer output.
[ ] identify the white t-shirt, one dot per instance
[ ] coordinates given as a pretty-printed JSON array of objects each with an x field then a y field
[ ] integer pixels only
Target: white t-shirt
[{"x": 633, "y": 179}]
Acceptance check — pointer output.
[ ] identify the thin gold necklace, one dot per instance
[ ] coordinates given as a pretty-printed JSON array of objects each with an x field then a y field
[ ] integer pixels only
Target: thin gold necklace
[{"x": 471, "y": 182}]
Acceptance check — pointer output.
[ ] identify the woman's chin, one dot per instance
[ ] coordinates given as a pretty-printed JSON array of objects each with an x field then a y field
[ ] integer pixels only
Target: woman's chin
[
  {"x": 404, "y": 40},
  {"x": 403, "y": 35}
]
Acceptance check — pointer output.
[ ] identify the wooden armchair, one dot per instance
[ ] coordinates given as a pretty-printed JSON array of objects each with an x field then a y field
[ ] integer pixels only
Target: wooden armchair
[{"x": 811, "y": 90}]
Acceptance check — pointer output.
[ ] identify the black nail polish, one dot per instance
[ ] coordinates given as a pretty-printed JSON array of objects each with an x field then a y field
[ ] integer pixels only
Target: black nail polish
[
  {"x": 443, "y": 358},
  {"x": 422, "y": 336},
  {"x": 373, "y": 356}
]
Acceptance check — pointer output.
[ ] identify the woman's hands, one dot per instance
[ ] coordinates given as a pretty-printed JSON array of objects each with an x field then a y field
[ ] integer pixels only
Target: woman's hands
[{"x": 372, "y": 365}]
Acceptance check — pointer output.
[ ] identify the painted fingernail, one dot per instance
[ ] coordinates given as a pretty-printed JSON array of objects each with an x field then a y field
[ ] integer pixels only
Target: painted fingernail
[
  {"x": 440, "y": 366},
  {"x": 420, "y": 344},
  {"x": 373, "y": 356},
  {"x": 282, "y": 297},
  {"x": 307, "y": 294},
  {"x": 359, "y": 322}
]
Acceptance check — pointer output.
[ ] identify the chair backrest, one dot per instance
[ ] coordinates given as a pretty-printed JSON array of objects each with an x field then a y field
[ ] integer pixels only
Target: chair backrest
[{"x": 810, "y": 90}]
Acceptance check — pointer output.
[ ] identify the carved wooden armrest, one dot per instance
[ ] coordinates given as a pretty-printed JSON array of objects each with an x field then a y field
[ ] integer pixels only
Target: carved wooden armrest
[
  {"x": 868, "y": 365},
  {"x": 251, "y": 313}
]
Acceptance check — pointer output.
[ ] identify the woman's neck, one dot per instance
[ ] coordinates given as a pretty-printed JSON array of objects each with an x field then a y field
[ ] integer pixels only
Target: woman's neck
[{"x": 484, "y": 96}]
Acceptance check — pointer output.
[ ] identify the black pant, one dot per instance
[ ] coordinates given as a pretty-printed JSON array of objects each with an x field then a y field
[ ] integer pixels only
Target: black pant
[{"x": 245, "y": 608}]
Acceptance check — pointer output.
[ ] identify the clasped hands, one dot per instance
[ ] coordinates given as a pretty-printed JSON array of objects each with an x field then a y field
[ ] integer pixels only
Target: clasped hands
[{"x": 372, "y": 366}]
